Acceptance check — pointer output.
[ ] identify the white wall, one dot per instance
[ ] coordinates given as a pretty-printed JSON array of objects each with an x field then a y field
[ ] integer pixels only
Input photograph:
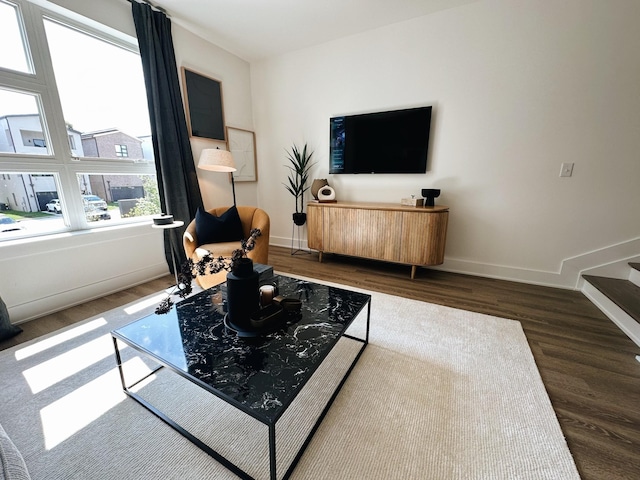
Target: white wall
[
  {"x": 42, "y": 275},
  {"x": 517, "y": 89},
  {"x": 195, "y": 54}
]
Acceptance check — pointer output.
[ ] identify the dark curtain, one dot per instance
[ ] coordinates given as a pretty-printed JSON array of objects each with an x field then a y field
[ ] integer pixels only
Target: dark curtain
[{"x": 177, "y": 180}]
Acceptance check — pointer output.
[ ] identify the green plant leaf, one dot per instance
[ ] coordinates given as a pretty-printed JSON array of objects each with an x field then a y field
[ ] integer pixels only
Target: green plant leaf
[{"x": 300, "y": 164}]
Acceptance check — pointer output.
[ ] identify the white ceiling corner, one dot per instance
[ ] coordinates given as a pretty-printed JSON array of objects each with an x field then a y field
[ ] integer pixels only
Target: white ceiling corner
[{"x": 256, "y": 29}]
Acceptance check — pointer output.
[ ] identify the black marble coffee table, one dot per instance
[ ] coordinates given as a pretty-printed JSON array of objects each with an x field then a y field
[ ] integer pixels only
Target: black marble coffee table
[{"x": 258, "y": 376}]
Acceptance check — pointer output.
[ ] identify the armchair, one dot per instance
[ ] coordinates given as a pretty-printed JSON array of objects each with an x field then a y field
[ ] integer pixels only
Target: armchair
[{"x": 250, "y": 217}]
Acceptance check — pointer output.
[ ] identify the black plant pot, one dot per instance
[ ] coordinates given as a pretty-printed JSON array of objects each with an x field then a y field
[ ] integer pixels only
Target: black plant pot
[{"x": 299, "y": 218}]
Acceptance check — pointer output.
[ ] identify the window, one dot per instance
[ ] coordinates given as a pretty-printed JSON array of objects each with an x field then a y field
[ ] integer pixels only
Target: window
[
  {"x": 14, "y": 54},
  {"x": 106, "y": 105},
  {"x": 25, "y": 198},
  {"x": 121, "y": 151},
  {"x": 21, "y": 123},
  {"x": 74, "y": 153}
]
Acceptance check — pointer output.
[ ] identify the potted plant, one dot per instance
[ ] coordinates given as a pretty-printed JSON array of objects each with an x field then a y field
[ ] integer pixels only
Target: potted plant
[{"x": 298, "y": 176}]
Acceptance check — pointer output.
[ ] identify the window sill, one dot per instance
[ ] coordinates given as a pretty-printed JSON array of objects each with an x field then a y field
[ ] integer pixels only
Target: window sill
[{"x": 67, "y": 240}]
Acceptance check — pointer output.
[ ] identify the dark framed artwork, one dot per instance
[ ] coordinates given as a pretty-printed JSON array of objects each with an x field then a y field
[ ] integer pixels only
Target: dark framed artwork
[{"x": 205, "y": 113}]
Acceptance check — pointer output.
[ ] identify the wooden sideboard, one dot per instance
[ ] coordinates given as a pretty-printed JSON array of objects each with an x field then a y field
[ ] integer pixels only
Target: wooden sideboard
[{"x": 414, "y": 236}]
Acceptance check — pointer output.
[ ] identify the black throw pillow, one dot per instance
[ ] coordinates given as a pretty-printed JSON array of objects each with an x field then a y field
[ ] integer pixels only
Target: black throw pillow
[
  {"x": 7, "y": 329},
  {"x": 225, "y": 228}
]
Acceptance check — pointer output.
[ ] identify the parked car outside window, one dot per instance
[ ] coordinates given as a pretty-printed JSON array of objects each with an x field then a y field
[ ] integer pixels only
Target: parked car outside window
[
  {"x": 8, "y": 224},
  {"x": 54, "y": 206},
  {"x": 95, "y": 208},
  {"x": 95, "y": 201},
  {"x": 94, "y": 214}
]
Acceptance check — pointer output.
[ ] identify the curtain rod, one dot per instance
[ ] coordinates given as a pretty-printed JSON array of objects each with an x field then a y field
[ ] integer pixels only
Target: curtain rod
[{"x": 147, "y": 2}]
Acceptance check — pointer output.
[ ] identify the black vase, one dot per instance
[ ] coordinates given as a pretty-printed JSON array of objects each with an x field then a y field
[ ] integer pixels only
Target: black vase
[
  {"x": 299, "y": 218},
  {"x": 243, "y": 296}
]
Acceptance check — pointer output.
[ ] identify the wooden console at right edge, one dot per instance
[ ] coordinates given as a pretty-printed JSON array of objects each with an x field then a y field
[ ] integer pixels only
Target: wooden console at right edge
[{"x": 413, "y": 236}]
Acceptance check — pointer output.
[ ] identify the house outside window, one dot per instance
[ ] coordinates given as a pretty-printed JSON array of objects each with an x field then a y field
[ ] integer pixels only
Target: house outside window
[{"x": 64, "y": 142}]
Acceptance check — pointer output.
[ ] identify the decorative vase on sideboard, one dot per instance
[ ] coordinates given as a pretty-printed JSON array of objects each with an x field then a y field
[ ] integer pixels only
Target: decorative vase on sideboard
[{"x": 316, "y": 185}]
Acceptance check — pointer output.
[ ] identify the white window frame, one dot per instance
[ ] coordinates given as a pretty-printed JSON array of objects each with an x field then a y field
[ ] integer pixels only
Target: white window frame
[{"x": 41, "y": 83}]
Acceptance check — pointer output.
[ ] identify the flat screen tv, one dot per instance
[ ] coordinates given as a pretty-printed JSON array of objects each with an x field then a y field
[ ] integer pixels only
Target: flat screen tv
[{"x": 383, "y": 142}]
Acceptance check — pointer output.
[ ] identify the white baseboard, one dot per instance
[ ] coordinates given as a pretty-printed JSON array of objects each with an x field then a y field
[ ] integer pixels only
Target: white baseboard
[
  {"x": 501, "y": 272},
  {"x": 609, "y": 259},
  {"x": 287, "y": 243}
]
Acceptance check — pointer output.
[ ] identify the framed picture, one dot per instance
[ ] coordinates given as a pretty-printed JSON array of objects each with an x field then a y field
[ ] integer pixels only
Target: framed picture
[
  {"x": 242, "y": 145},
  {"x": 205, "y": 114}
]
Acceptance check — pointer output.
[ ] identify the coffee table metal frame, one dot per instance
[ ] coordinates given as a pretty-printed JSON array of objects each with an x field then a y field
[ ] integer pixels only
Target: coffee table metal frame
[{"x": 270, "y": 423}]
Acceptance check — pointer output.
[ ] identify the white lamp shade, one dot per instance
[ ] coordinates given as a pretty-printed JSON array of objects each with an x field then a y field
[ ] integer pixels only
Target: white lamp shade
[{"x": 216, "y": 160}]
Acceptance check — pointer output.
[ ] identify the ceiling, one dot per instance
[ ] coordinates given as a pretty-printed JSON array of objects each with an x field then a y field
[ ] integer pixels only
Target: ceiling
[{"x": 256, "y": 29}]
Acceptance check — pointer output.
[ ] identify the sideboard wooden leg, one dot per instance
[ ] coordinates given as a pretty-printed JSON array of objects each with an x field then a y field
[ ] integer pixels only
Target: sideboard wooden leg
[
  {"x": 320, "y": 257},
  {"x": 413, "y": 271}
]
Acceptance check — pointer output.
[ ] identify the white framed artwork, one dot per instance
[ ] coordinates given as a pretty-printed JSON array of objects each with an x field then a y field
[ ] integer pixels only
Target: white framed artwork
[{"x": 242, "y": 145}]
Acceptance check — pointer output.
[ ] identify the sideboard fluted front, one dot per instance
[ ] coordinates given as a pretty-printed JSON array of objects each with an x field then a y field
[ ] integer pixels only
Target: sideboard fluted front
[{"x": 414, "y": 236}]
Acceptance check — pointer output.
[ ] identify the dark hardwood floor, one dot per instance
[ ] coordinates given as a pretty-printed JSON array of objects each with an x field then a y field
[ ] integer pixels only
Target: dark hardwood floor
[{"x": 587, "y": 364}]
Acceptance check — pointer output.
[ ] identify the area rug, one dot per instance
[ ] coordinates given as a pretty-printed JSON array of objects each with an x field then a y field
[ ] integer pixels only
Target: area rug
[{"x": 439, "y": 393}]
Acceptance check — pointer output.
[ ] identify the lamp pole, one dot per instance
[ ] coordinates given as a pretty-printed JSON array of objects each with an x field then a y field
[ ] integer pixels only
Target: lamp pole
[{"x": 233, "y": 188}]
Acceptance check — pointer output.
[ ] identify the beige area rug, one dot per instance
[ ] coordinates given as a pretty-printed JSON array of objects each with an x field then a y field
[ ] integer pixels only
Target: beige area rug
[{"x": 439, "y": 393}]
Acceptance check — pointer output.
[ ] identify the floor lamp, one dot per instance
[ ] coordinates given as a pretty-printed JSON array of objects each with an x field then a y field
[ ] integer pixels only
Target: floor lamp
[{"x": 218, "y": 160}]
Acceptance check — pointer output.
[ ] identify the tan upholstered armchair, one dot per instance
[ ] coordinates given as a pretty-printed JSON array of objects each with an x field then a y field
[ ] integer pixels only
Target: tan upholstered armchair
[{"x": 250, "y": 217}]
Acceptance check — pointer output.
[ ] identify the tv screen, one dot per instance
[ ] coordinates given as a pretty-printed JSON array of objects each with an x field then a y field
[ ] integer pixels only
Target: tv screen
[{"x": 384, "y": 142}]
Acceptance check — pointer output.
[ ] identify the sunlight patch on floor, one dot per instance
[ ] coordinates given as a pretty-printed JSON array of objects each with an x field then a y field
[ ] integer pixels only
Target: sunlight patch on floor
[
  {"x": 50, "y": 372},
  {"x": 76, "y": 410},
  {"x": 52, "y": 341},
  {"x": 155, "y": 300}
]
